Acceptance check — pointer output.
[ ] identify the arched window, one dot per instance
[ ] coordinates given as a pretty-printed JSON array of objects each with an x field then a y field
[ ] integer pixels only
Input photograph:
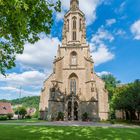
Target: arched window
[
  {"x": 73, "y": 58},
  {"x": 80, "y": 24},
  {"x": 74, "y": 35},
  {"x": 67, "y": 24},
  {"x": 74, "y": 23},
  {"x": 73, "y": 85}
]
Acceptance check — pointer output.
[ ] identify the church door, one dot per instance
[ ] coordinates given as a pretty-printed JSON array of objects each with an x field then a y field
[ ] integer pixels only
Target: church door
[
  {"x": 75, "y": 111},
  {"x": 69, "y": 110},
  {"x": 72, "y": 112}
]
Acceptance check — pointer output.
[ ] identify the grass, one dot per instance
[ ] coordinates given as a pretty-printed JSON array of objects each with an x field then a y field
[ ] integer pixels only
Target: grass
[{"x": 9, "y": 132}]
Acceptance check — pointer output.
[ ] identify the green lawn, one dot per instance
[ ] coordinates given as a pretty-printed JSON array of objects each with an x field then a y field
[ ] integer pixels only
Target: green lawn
[{"x": 9, "y": 132}]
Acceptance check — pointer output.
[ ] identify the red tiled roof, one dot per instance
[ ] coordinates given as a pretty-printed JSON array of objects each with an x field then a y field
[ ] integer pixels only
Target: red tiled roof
[{"x": 5, "y": 108}]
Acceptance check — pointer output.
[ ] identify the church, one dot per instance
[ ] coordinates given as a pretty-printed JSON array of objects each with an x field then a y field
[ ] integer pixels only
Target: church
[{"x": 74, "y": 88}]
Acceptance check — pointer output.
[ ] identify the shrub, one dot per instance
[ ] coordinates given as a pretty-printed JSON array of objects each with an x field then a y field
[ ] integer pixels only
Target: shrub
[
  {"x": 28, "y": 117},
  {"x": 9, "y": 116},
  {"x": 36, "y": 115},
  {"x": 85, "y": 117},
  {"x": 60, "y": 116},
  {"x": 112, "y": 115},
  {"x": 112, "y": 121},
  {"x": 3, "y": 117},
  {"x": 21, "y": 111}
]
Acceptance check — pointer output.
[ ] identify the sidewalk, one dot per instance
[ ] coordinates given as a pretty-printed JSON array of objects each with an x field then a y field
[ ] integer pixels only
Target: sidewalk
[{"x": 73, "y": 123}]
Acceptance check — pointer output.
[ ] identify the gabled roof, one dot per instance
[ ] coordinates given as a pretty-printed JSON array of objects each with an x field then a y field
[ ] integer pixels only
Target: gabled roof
[{"x": 5, "y": 108}]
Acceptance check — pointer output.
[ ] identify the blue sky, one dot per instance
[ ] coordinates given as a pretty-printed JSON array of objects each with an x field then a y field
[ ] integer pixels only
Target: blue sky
[{"x": 113, "y": 32}]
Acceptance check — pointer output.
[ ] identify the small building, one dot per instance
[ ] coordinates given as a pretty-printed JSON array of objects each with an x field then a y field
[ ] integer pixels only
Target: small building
[
  {"x": 6, "y": 108},
  {"x": 31, "y": 111}
]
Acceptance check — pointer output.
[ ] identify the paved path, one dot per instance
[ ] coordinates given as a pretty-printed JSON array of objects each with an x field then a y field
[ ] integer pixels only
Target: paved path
[{"x": 70, "y": 123}]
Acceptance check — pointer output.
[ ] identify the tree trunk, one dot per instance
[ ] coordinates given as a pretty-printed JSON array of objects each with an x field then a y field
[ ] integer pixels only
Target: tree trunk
[
  {"x": 138, "y": 116},
  {"x": 133, "y": 115},
  {"x": 127, "y": 115},
  {"x": 123, "y": 113}
]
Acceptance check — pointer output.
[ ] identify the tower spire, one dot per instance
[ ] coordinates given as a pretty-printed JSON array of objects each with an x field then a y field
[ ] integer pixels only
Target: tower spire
[{"x": 74, "y": 4}]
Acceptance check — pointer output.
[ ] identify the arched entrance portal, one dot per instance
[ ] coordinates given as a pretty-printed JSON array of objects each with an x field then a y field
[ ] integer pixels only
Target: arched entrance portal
[
  {"x": 76, "y": 111},
  {"x": 73, "y": 110},
  {"x": 69, "y": 110}
]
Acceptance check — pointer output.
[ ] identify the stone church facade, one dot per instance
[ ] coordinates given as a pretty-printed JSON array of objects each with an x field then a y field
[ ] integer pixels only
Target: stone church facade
[{"x": 73, "y": 88}]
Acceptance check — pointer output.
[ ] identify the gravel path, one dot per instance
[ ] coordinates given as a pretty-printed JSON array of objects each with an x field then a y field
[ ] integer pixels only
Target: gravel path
[{"x": 70, "y": 123}]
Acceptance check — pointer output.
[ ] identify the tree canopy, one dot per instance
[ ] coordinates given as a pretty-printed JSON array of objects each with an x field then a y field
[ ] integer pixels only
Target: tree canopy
[
  {"x": 110, "y": 83},
  {"x": 22, "y": 21},
  {"x": 26, "y": 101},
  {"x": 21, "y": 111},
  {"x": 127, "y": 98}
]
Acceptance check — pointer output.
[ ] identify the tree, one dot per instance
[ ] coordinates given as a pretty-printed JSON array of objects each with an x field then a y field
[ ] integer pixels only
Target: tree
[
  {"x": 127, "y": 98},
  {"x": 110, "y": 83},
  {"x": 21, "y": 111},
  {"x": 118, "y": 100},
  {"x": 22, "y": 21}
]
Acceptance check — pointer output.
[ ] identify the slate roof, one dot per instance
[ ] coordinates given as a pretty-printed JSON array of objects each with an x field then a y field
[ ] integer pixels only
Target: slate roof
[{"x": 5, "y": 108}]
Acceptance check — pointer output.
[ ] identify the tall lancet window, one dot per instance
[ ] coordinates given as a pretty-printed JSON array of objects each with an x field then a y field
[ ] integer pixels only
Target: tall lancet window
[
  {"x": 73, "y": 85},
  {"x": 74, "y": 35},
  {"x": 74, "y": 26},
  {"x": 80, "y": 24},
  {"x": 74, "y": 23},
  {"x": 73, "y": 58},
  {"x": 68, "y": 25}
]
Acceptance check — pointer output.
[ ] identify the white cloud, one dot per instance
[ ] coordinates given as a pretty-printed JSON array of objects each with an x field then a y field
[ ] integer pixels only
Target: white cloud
[
  {"x": 9, "y": 88},
  {"x": 121, "y": 7},
  {"x": 101, "y": 36},
  {"x": 11, "y": 92},
  {"x": 29, "y": 81},
  {"x": 40, "y": 54},
  {"x": 120, "y": 32},
  {"x": 103, "y": 73},
  {"x": 135, "y": 29},
  {"x": 17, "y": 90},
  {"x": 100, "y": 51},
  {"x": 29, "y": 78},
  {"x": 109, "y": 22},
  {"x": 102, "y": 54},
  {"x": 60, "y": 16},
  {"x": 87, "y": 6}
]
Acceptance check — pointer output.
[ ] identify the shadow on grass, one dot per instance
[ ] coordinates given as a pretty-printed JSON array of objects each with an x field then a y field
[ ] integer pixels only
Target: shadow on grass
[{"x": 67, "y": 133}]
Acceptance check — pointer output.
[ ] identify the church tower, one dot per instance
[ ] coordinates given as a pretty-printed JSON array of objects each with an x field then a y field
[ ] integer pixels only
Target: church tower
[
  {"x": 74, "y": 30},
  {"x": 74, "y": 88}
]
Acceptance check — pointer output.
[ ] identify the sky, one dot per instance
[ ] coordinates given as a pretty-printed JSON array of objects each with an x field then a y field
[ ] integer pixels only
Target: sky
[{"x": 113, "y": 33}]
